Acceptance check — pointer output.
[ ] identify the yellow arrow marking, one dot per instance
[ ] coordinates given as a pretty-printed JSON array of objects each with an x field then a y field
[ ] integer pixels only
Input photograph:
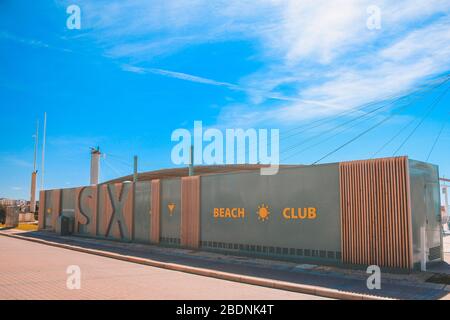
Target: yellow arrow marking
[{"x": 171, "y": 206}]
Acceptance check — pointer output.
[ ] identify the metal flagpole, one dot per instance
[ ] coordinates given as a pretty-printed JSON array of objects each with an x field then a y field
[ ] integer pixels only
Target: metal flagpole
[{"x": 43, "y": 152}]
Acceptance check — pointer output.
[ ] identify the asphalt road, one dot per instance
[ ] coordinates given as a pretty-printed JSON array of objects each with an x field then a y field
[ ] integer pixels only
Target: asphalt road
[{"x": 35, "y": 271}]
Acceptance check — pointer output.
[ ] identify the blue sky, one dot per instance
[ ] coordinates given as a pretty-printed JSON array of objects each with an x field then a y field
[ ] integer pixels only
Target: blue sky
[{"x": 137, "y": 70}]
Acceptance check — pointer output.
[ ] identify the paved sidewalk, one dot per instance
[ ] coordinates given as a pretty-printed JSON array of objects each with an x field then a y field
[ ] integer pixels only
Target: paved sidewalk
[
  {"x": 35, "y": 271},
  {"x": 397, "y": 286}
]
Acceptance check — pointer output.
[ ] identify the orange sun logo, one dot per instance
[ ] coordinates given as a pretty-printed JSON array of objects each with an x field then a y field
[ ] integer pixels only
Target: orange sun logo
[{"x": 263, "y": 212}]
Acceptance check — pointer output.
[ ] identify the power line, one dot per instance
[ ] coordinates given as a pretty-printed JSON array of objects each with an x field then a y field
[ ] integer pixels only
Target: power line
[
  {"x": 326, "y": 120},
  {"x": 436, "y": 140},
  {"x": 400, "y": 108},
  {"x": 393, "y": 138},
  {"x": 119, "y": 159},
  {"x": 394, "y": 98},
  {"x": 446, "y": 78},
  {"x": 335, "y": 127},
  {"x": 112, "y": 167},
  {"x": 433, "y": 106},
  {"x": 355, "y": 138},
  {"x": 375, "y": 126},
  {"x": 326, "y": 139},
  {"x": 399, "y": 132}
]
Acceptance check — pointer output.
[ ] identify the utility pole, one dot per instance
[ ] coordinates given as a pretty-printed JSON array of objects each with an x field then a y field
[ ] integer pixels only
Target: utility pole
[
  {"x": 43, "y": 152},
  {"x": 34, "y": 173},
  {"x": 135, "y": 169},
  {"x": 95, "y": 163},
  {"x": 445, "y": 193},
  {"x": 191, "y": 161},
  {"x": 446, "y": 213}
]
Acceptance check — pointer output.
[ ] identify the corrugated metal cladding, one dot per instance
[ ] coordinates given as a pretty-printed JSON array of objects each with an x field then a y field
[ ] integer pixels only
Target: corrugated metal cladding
[
  {"x": 56, "y": 205},
  {"x": 41, "y": 212},
  {"x": 284, "y": 233},
  {"x": 170, "y": 214},
  {"x": 376, "y": 212},
  {"x": 49, "y": 208},
  {"x": 155, "y": 212},
  {"x": 190, "y": 212}
]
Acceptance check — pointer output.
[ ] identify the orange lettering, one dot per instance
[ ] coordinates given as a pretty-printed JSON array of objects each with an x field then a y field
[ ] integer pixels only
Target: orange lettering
[
  {"x": 302, "y": 213},
  {"x": 312, "y": 213},
  {"x": 286, "y": 213}
]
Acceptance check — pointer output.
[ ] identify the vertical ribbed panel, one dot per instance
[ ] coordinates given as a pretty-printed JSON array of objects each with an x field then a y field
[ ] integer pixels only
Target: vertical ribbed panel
[
  {"x": 376, "y": 213},
  {"x": 156, "y": 211},
  {"x": 56, "y": 206},
  {"x": 41, "y": 213},
  {"x": 190, "y": 212},
  {"x": 128, "y": 211}
]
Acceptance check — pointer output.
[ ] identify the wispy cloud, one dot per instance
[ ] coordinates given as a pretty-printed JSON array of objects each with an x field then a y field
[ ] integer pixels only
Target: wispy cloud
[
  {"x": 321, "y": 50},
  {"x": 181, "y": 76},
  {"x": 231, "y": 86},
  {"x": 15, "y": 160},
  {"x": 72, "y": 147},
  {"x": 30, "y": 42}
]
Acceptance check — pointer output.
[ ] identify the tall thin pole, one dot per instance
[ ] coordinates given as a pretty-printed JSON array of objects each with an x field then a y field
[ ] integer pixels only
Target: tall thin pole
[
  {"x": 36, "y": 141},
  {"x": 33, "y": 175},
  {"x": 446, "y": 211},
  {"x": 43, "y": 152},
  {"x": 135, "y": 169},
  {"x": 445, "y": 192},
  {"x": 191, "y": 161}
]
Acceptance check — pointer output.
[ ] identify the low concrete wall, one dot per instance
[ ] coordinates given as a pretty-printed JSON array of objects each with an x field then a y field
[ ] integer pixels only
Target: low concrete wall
[
  {"x": 292, "y": 215},
  {"x": 26, "y": 217},
  {"x": 296, "y": 214},
  {"x": 12, "y": 217}
]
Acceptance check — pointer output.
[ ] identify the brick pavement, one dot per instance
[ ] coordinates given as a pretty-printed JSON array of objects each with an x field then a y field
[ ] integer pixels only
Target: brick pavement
[{"x": 35, "y": 271}]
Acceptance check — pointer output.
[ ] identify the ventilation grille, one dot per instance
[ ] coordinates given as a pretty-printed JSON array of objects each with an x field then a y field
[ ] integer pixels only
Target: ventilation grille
[
  {"x": 435, "y": 253},
  {"x": 271, "y": 251},
  {"x": 168, "y": 240}
]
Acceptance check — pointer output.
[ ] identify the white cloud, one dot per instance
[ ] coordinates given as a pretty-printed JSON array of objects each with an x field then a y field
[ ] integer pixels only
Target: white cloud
[
  {"x": 30, "y": 42},
  {"x": 319, "y": 29},
  {"x": 15, "y": 160},
  {"x": 180, "y": 75},
  {"x": 231, "y": 86},
  {"x": 322, "y": 50}
]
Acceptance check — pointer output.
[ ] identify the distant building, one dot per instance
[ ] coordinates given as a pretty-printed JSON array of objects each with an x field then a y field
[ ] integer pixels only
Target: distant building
[
  {"x": 23, "y": 205},
  {"x": 7, "y": 202}
]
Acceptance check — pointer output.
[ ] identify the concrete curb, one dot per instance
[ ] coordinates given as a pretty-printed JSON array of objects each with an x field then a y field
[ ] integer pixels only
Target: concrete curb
[{"x": 282, "y": 285}]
